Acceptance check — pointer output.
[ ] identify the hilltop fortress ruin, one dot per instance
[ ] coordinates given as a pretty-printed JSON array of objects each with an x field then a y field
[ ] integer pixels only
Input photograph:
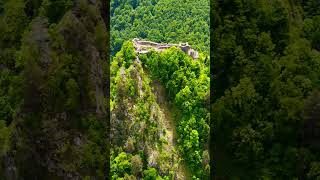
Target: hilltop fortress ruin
[{"x": 143, "y": 47}]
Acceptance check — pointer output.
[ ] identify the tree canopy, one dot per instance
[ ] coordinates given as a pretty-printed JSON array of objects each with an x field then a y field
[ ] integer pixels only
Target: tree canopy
[
  {"x": 168, "y": 21},
  {"x": 53, "y": 119},
  {"x": 265, "y": 70}
]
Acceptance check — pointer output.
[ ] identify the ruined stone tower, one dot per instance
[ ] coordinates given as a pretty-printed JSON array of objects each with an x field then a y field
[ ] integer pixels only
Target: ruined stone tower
[
  {"x": 143, "y": 47},
  {"x": 184, "y": 47}
]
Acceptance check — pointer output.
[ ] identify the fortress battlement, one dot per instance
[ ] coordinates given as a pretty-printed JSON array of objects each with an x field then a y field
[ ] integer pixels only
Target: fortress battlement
[{"x": 143, "y": 46}]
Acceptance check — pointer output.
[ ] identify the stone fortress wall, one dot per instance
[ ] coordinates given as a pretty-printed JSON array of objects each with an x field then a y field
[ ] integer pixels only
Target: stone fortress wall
[{"x": 143, "y": 47}]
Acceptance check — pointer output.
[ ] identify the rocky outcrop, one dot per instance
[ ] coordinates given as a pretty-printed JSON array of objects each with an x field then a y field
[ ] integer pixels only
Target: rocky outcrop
[{"x": 138, "y": 123}]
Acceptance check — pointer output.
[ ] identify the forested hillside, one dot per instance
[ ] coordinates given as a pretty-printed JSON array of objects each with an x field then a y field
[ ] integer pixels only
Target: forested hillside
[
  {"x": 139, "y": 123},
  {"x": 266, "y": 79},
  {"x": 140, "y": 138},
  {"x": 169, "y": 21},
  {"x": 53, "y": 74},
  {"x": 159, "y": 100}
]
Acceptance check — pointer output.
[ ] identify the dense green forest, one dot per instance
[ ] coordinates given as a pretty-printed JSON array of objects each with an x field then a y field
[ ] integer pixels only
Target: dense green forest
[
  {"x": 159, "y": 100},
  {"x": 170, "y": 21},
  {"x": 188, "y": 88},
  {"x": 265, "y": 76},
  {"x": 266, "y": 80},
  {"x": 53, "y": 74}
]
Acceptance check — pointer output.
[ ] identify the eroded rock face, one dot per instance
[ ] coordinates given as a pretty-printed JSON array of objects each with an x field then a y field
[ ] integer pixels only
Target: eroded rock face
[
  {"x": 152, "y": 158},
  {"x": 138, "y": 124},
  {"x": 96, "y": 79}
]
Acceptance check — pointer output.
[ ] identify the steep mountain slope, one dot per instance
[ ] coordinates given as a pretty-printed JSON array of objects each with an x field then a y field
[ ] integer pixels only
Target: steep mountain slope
[
  {"x": 170, "y": 143},
  {"x": 138, "y": 122},
  {"x": 179, "y": 86}
]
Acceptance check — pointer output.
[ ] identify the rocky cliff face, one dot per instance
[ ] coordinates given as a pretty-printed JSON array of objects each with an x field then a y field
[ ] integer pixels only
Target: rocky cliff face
[{"x": 138, "y": 124}]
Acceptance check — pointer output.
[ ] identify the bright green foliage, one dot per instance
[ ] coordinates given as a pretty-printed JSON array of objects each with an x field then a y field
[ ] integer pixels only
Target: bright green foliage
[
  {"x": 187, "y": 82},
  {"x": 139, "y": 125},
  {"x": 128, "y": 53},
  {"x": 151, "y": 174},
  {"x": 161, "y": 21},
  {"x": 136, "y": 121},
  {"x": 120, "y": 165}
]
